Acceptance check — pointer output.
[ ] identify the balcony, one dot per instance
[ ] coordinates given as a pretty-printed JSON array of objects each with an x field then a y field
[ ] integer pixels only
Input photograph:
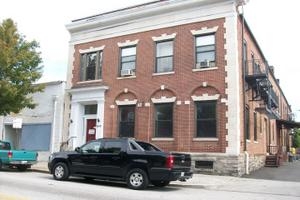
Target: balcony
[{"x": 257, "y": 78}]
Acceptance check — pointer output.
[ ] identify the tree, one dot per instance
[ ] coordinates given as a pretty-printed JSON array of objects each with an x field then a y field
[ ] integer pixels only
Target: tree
[
  {"x": 296, "y": 139},
  {"x": 19, "y": 69}
]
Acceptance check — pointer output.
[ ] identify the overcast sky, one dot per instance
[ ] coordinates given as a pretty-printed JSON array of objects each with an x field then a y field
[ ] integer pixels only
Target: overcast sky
[{"x": 274, "y": 23}]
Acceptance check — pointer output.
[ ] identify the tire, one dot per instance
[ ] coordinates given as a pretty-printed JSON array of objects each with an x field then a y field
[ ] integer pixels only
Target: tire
[
  {"x": 22, "y": 168},
  {"x": 160, "y": 183},
  {"x": 137, "y": 179},
  {"x": 60, "y": 171}
]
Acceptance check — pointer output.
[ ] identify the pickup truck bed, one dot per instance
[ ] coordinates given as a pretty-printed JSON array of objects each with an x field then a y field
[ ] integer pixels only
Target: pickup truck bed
[
  {"x": 16, "y": 158},
  {"x": 124, "y": 159}
]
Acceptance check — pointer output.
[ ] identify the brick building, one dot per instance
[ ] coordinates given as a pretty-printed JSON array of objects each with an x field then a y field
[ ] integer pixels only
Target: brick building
[{"x": 186, "y": 75}]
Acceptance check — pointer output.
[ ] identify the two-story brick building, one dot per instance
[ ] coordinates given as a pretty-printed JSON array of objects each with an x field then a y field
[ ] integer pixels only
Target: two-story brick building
[{"x": 187, "y": 75}]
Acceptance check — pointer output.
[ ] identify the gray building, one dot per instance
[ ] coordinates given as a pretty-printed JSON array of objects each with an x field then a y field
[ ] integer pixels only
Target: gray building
[{"x": 41, "y": 127}]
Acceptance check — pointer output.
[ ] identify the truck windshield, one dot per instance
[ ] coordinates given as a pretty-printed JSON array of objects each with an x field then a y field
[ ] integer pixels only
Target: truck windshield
[
  {"x": 147, "y": 146},
  {"x": 4, "y": 146}
]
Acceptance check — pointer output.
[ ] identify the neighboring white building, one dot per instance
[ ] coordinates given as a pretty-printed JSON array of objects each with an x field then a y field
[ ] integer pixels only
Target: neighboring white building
[{"x": 42, "y": 126}]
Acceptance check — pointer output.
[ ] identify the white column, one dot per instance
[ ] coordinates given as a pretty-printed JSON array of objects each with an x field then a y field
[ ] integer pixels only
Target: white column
[
  {"x": 76, "y": 125},
  {"x": 53, "y": 132},
  {"x": 100, "y": 119}
]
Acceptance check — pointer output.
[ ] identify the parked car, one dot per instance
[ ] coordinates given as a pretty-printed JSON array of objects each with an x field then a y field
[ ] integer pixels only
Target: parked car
[
  {"x": 135, "y": 162},
  {"x": 19, "y": 159}
]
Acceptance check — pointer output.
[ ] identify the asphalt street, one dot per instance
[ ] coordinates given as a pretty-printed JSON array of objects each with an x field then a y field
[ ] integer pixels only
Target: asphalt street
[{"x": 32, "y": 185}]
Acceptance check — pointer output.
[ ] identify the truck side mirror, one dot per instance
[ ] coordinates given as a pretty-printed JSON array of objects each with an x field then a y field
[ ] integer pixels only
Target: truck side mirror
[{"x": 77, "y": 149}]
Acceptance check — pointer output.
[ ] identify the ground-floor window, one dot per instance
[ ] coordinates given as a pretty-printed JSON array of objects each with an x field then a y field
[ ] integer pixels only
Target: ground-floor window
[
  {"x": 126, "y": 121},
  {"x": 206, "y": 119},
  {"x": 164, "y": 120}
]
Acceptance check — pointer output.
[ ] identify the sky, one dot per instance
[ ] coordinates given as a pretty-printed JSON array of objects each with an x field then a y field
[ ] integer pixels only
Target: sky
[{"x": 274, "y": 24}]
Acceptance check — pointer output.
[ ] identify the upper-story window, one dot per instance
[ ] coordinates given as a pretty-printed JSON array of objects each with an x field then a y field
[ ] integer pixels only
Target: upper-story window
[
  {"x": 128, "y": 61},
  {"x": 205, "y": 51},
  {"x": 91, "y": 66},
  {"x": 164, "y": 57}
]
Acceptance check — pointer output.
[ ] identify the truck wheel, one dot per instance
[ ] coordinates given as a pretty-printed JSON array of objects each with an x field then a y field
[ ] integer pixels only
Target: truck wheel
[
  {"x": 137, "y": 179},
  {"x": 60, "y": 171},
  {"x": 160, "y": 183},
  {"x": 22, "y": 168}
]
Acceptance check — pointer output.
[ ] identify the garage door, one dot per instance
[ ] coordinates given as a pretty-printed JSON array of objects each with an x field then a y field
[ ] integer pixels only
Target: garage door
[{"x": 36, "y": 137}]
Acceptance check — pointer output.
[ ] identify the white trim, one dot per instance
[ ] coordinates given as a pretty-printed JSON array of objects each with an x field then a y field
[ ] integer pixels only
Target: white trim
[
  {"x": 126, "y": 102},
  {"x": 125, "y": 77},
  {"x": 162, "y": 139},
  {"x": 205, "y": 139},
  {"x": 204, "y": 30},
  {"x": 163, "y": 73},
  {"x": 164, "y": 37},
  {"x": 164, "y": 100},
  {"x": 232, "y": 80},
  {"x": 90, "y": 81},
  {"x": 91, "y": 49},
  {"x": 128, "y": 43},
  {"x": 206, "y": 97},
  {"x": 204, "y": 69},
  {"x": 135, "y": 20}
]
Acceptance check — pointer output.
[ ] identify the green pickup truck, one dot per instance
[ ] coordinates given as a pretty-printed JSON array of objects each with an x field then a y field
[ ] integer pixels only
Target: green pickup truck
[{"x": 19, "y": 159}]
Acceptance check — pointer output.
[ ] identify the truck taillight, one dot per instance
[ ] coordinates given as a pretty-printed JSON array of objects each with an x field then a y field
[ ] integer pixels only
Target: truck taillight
[
  {"x": 170, "y": 161},
  {"x": 10, "y": 154}
]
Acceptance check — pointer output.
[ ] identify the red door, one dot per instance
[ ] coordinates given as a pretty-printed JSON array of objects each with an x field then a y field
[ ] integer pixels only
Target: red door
[{"x": 90, "y": 129}]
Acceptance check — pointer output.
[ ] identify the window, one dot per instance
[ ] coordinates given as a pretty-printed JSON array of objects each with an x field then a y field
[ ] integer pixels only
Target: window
[
  {"x": 205, "y": 51},
  {"x": 245, "y": 57},
  {"x": 92, "y": 147},
  {"x": 90, "y": 109},
  {"x": 126, "y": 121},
  {"x": 255, "y": 126},
  {"x": 91, "y": 66},
  {"x": 164, "y": 56},
  {"x": 112, "y": 147},
  {"x": 128, "y": 60},
  {"x": 164, "y": 120},
  {"x": 147, "y": 146},
  {"x": 247, "y": 128},
  {"x": 206, "y": 119}
]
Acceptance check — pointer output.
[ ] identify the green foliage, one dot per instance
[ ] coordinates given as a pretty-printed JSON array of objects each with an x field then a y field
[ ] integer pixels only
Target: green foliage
[
  {"x": 296, "y": 139},
  {"x": 19, "y": 69}
]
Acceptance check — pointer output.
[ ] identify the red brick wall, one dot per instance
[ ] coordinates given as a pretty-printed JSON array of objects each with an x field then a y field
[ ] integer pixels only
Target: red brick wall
[{"x": 182, "y": 84}]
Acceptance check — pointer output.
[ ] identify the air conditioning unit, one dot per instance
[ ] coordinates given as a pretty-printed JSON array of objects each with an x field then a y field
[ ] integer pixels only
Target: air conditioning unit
[
  {"x": 127, "y": 72},
  {"x": 205, "y": 63}
]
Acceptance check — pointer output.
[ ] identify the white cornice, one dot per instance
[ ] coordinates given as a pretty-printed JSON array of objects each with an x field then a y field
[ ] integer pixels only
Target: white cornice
[
  {"x": 206, "y": 97},
  {"x": 154, "y": 16},
  {"x": 128, "y": 43},
  {"x": 164, "y": 37},
  {"x": 204, "y": 31}
]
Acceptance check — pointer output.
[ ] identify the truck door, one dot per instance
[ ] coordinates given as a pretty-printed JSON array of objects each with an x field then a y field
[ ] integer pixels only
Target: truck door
[{"x": 112, "y": 159}]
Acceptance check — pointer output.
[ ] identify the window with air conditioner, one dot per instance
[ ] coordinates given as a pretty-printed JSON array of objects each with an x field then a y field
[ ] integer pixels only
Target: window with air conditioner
[
  {"x": 128, "y": 61},
  {"x": 205, "y": 51}
]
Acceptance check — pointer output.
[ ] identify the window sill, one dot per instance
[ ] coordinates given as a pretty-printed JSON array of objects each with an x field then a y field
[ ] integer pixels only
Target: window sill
[
  {"x": 126, "y": 77},
  {"x": 206, "y": 139},
  {"x": 248, "y": 141},
  {"x": 163, "y": 73},
  {"x": 163, "y": 139},
  {"x": 255, "y": 142},
  {"x": 92, "y": 81},
  {"x": 205, "y": 69}
]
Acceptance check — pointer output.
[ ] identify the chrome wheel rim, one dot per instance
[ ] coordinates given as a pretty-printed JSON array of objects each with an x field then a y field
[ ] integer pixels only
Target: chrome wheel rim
[
  {"x": 59, "y": 172},
  {"x": 136, "y": 179}
]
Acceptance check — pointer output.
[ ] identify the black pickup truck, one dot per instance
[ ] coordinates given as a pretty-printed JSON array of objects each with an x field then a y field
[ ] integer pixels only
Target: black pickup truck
[{"x": 122, "y": 159}]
